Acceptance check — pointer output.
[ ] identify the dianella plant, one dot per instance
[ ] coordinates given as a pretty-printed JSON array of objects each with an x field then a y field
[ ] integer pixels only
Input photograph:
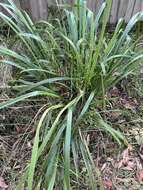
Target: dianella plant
[{"x": 72, "y": 63}]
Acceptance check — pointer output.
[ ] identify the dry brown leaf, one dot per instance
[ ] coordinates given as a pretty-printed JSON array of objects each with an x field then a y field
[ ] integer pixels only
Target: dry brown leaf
[
  {"x": 108, "y": 184},
  {"x": 126, "y": 161},
  {"x": 130, "y": 165},
  {"x": 3, "y": 185},
  {"x": 139, "y": 173},
  {"x": 140, "y": 176},
  {"x": 129, "y": 103}
]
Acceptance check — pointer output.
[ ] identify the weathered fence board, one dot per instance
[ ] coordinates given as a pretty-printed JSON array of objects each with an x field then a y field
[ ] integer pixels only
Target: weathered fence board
[
  {"x": 114, "y": 11},
  {"x": 38, "y": 9},
  {"x": 122, "y": 8},
  {"x": 130, "y": 9},
  {"x": 141, "y": 5},
  {"x": 137, "y": 6},
  {"x": 98, "y": 4},
  {"x": 91, "y": 4}
]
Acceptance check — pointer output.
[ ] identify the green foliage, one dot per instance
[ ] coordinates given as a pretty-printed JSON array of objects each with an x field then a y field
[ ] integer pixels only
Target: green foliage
[
  {"x": 100, "y": 62},
  {"x": 73, "y": 63}
]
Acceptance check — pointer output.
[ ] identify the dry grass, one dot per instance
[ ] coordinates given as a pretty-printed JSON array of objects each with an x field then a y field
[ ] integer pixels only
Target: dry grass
[{"x": 16, "y": 139}]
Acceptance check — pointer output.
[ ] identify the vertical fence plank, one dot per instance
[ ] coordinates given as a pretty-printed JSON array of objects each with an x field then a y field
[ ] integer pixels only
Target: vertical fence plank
[
  {"x": 141, "y": 5},
  {"x": 35, "y": 9},
  {"x": 98, "y": 5},
  {"x": 114, "y": 12},
  {"x": 129, "y": 10},
  {"x": 25, "y": 4},
  {"x": 137, "y": 7},
  {"x": 91, "y": 4},
  {"x": 43, "y": 5},
  {"x": 122, "y": 8}
]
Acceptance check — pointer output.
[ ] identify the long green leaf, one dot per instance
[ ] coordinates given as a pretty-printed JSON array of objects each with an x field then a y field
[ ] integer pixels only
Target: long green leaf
[
  {"x": 23, "y": 97},
  {"x": 34, "y": 156},
  {"x": 67, "y": 148}
]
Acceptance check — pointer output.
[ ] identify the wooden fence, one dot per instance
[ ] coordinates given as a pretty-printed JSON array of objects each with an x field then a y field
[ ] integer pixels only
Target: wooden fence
[{"x": 38, "y": 9}]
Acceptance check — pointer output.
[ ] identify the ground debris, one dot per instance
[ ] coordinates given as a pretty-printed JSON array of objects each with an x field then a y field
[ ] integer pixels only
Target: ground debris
[{"x": 3, "y": 184}]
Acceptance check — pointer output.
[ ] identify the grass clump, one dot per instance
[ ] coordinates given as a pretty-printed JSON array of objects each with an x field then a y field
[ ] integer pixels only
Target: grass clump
[{"x": 73, "y": 64}]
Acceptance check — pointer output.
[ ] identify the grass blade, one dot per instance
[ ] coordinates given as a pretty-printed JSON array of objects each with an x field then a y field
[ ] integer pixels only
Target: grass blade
[
  {"x": 35, "y": 149},
  {"x": 67, "y": 148},
  {"x": 23, "y": 97}
]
